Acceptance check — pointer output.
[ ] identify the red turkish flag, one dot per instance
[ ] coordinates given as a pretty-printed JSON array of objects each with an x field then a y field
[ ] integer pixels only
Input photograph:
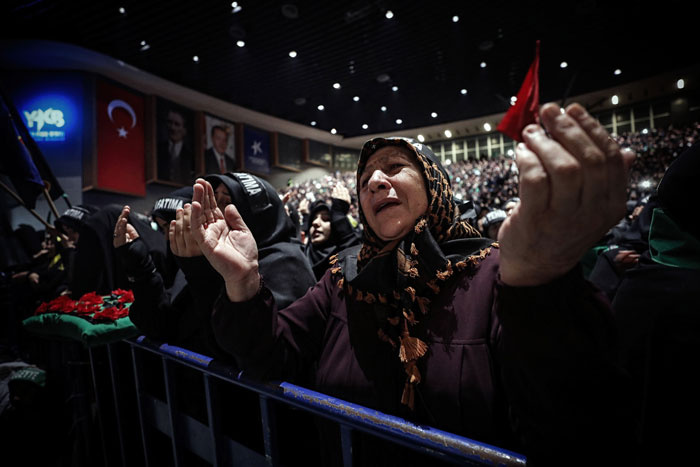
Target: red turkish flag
[
  {"x": 527, "y": 105},
  {"x": 120, "y": 140}
]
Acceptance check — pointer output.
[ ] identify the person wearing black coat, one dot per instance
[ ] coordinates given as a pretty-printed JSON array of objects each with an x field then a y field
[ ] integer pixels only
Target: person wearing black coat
[
  {"x": 328, "y": 230},
  {"x": 656, "y": 307}
]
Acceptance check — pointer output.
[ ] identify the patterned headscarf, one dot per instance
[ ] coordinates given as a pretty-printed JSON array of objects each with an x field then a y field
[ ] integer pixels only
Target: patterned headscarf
[{"x": 402, "y": 282}]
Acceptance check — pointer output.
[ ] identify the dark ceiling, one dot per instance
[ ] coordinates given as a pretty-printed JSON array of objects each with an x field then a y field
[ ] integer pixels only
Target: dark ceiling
[{"x": 421, "y": 50}]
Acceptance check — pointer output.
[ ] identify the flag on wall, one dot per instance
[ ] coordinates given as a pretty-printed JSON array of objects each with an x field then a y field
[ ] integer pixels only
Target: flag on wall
[
  {"x": 120, "y": 140},
  {"x": 256, "y": 150},
  {"x": 527, "y": 104},
  {"x": 22, "y": 160}
]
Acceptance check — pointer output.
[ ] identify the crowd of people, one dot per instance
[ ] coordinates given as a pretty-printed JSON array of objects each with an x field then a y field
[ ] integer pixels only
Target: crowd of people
[{"x": 478, "y": 297}]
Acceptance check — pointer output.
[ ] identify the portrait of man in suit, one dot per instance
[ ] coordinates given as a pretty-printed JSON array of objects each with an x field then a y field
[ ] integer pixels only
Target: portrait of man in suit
[
  {"x": 218, "y": 157},
  {"x": 175, "y": 149}
]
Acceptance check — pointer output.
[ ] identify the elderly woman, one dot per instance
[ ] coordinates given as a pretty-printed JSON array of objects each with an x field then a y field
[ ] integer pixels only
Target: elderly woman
[{"x": 502, "y": 342}]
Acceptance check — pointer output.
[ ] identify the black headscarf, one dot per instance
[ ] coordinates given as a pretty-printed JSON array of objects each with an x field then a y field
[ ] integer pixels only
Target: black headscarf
[
  {"x": 342, "y": 234},
  {"x": 402, "y": 282},
  {"x": 96, "y": 268},
  {"x": 281, "y": 260},
  {"x": 677, "y": 190},
  {"x": 75, "y": 217},
  {"x": 167, "y": 206}
]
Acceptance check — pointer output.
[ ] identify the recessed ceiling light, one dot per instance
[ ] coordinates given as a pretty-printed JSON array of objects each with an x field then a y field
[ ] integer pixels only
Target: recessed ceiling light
[
  {"x": 563, "y": 65},
  {"x": 421, "y": 138},
  {"x": 615, "y": 100},
  {"x": 483, "y": 65},
  {"x": 313, "y": 123},
  {"x": 236, "y": 7},
  {"x": 463, "y": 92},
  {"x": 455, "y": 18},
  {"x": 336, "y": 85},
  {"x": 617, "y": 72},
  {"x": 448, "y": 133},
  {"x": 434, "y": 114},
  {"x": 365, "y": 126},
  {"x": 680, "y": 84},
  {"x": 320, "y": 107},
  {"x": 389, "y": 14},
  {"x": 394, "y": 88},
  {"x": 195, "y": 58},
  {"x": 122, "y": 10},
  {"x": 399, "y": 121},
  {"x": 487, "y": 126},
  {"x": 333, "y": 131},
  {"x": 240, "y": 44},
  {"x": 383, "y": 108},
  {"x": 293, "y": 53},
  {"x": 143, "y": 42},
  {"x": 356, "y": 98},
  {"x": 513, "y": 100}
]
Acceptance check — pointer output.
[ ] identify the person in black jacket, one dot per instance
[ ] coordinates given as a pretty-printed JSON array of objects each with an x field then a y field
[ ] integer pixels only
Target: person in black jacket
[
  {"x": 656, "y": 306},
  {"x": 96, "y": 268},
  {"x": 163, "y": 308},
  {"x": 328, "y": 230}
]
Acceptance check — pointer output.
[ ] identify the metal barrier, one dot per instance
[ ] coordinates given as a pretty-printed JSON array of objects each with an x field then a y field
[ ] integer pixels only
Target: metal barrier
[{"x": 203, "y": 435}]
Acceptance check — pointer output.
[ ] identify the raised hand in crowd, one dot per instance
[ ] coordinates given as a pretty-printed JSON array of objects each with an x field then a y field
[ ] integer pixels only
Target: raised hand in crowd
[
  {"x": 341, "y": 192},
  {"x": 304, "y": 206},
  {"x": 123, "y": 231},
  {"x": 572, "y": 190},
  {"x": 226, "y": 242},
  {"x": 180, "y": 235}
]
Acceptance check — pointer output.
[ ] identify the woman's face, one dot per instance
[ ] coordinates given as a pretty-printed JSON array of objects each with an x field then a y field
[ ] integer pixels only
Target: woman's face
[
  {"x": 320, "y": 230},
  {"x": 392, "y": 192}
]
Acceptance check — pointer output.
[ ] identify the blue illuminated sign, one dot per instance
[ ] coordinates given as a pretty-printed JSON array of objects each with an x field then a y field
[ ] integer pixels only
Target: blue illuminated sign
[
  {"x": 49, "y": 116},
  {"x": 52, "y": 106}
]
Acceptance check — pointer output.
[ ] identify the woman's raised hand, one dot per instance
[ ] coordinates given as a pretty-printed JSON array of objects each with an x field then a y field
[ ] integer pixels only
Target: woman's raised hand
[
  {"x": 226, "y": 242},
  {"x": 182, "y": 243},
  {"x": 572, "y": 190},
  {"x": 123, "y": 231}
]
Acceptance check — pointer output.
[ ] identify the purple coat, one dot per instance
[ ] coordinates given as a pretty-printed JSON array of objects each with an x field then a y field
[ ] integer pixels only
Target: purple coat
[{"x": 531, "y": 368}]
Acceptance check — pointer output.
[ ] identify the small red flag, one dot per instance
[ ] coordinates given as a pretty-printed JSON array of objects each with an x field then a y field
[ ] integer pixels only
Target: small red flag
[{"x": 527, "y": 105}]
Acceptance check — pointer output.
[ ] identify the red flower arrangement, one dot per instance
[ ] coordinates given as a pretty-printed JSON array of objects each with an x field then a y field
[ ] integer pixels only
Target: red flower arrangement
[
  {"x": 110, "y": 314},
  {"x": 89, "y": 303},
  {"x": 62, "y": 303},
  {"x": 91, "y": 306}
]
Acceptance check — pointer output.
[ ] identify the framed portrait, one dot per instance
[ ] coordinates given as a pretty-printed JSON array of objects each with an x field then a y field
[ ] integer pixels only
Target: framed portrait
[
  {"x": 175, "y": 146},
  {"x": 219, "y": 144}
]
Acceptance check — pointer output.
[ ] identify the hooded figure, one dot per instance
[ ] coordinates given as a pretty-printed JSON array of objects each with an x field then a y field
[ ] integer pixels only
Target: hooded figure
[
  {"x": 281, "y": 257},
  {"x": 96, "y": 269},
  {"x": 56, "y": 270},
  {"x": 328, "y": 231},
  {"x": 163, "y": 213},
  {"x": 416, "y": 322},
  {"x": 656, "y": 306}
]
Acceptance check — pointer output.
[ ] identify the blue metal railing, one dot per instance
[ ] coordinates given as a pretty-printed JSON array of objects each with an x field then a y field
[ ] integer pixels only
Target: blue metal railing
[{"x": 209, "y": 442}]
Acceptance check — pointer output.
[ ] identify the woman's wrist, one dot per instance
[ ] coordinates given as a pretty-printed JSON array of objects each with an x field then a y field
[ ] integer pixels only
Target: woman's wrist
[{"x": 245, "y": 289}]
